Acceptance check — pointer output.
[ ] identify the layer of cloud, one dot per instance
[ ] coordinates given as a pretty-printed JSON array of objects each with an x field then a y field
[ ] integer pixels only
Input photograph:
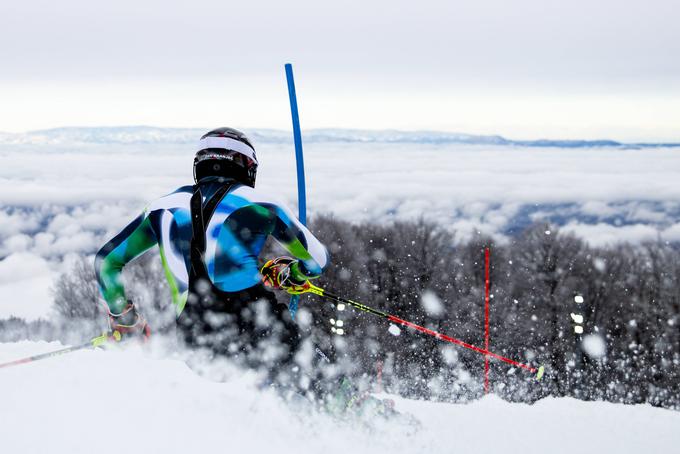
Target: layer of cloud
[
  {"x": 56, "y": 202},
  {"x": 25, "y": 281},
  {"x": 85, "y": 193}
]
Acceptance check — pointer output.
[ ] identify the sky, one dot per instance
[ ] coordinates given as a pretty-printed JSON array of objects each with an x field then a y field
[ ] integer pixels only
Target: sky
[{"x": 523, "y": 68}]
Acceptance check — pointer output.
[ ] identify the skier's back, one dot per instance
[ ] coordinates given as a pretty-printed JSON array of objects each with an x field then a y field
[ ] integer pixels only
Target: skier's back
[{"x": 210, "y": 236}]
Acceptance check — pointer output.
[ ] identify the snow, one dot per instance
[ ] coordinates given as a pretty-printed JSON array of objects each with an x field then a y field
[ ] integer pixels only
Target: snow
[
  {"x": 450, "y": 354},
  {"x": 431, "y": 303},
  {"x": 594, "y": 345},
  {"x": 394, "y": 330},
  {"x": 108, "y": 401}
]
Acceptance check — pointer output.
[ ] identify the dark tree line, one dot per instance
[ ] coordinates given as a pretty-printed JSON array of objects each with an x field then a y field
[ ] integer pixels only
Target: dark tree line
[
  {"x": 631, "y": 297},
  {"x": 417, "y": 270}
]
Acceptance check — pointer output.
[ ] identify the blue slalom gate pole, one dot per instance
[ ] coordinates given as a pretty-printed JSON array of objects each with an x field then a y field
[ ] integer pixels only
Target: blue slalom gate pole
[
  {"x": 299, "y": 159},
  {"x": 297, "y": 136}
]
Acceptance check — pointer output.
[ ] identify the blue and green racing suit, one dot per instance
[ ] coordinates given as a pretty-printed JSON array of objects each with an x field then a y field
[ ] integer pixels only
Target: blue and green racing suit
[{"x": 234, "y": 237}]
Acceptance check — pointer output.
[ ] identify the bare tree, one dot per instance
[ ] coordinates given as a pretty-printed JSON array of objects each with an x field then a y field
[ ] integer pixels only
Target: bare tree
[{"x": 76, "y": 294}]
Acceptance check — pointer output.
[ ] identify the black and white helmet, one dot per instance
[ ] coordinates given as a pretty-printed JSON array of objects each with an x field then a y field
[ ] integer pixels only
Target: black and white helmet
[{"x": 226, "y": 152}]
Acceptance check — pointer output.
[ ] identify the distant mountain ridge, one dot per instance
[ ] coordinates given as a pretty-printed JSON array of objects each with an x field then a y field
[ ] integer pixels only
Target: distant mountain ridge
[{"x": 155, "y": 135}]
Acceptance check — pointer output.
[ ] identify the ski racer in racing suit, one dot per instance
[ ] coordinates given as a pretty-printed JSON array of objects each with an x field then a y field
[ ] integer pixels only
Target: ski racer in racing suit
[{"x": 209, "y": 237}]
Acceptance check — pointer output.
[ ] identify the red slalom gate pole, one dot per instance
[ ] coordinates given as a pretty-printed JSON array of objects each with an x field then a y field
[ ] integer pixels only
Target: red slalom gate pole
[
  {"x": 453, "y": 340},
  {"x": 486, "y": 319},
  {"x": 308, "y": 287}
]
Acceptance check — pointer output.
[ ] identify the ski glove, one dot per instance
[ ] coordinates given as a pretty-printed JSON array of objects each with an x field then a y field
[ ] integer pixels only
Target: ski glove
[
  {"x": 128, "y": 324},
  {"x": 283, "y": 273}
]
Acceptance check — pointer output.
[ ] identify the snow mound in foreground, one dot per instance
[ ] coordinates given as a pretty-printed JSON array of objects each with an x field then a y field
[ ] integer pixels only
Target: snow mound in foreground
[{"x": 114, "y": 401}]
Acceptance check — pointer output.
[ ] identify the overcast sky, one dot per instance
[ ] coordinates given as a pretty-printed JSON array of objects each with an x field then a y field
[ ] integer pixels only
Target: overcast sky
[{"x": 524, "y": 69}]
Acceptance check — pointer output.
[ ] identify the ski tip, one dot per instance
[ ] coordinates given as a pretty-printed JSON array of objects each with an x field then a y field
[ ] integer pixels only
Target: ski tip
[{"x": 541, "y": 371}]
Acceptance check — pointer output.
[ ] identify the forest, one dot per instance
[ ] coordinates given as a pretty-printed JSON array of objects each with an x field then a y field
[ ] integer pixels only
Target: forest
[{"x": 604, "y": 321}]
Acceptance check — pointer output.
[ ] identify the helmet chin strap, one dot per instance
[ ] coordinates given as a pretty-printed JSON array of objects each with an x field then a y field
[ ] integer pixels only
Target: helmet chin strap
[{"x": 216, "y": 179}]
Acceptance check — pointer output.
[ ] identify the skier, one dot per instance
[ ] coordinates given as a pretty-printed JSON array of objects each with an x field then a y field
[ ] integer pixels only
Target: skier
[{"x": 209, "y": 236}]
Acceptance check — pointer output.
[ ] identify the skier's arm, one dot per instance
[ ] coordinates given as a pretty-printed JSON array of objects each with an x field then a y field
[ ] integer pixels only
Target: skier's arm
[
  {"x": 300, "y": 243},
  {"x": 129, "y": 244}
]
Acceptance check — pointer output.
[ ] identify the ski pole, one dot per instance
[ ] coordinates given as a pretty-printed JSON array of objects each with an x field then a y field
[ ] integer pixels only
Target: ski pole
[
  {"x": 308, "y": 287},
  {"x": 95, "y": 342}
]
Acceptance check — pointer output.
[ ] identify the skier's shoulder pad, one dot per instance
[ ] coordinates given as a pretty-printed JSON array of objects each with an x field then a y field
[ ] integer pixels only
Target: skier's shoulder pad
[{"x": 179, "y": 198}]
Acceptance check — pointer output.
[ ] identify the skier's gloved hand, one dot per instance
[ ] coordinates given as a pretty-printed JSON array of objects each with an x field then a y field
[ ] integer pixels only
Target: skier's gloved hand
[
  {"x": 128, "y": 324},
  {"x": 284, "y": 273}
]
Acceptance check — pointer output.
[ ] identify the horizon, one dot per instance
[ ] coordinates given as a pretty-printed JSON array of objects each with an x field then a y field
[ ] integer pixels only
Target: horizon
[{"x": 434, "y": 132}]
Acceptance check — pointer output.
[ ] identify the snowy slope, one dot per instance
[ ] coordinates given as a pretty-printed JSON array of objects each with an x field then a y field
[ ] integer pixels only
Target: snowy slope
[{"x": 125, "y": 401}]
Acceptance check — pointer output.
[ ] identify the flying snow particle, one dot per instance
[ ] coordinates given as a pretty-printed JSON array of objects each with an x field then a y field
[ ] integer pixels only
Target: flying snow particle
[
  {"x": 464, "y": 376},
  {"x": 577, "y": 318},
  {"x": 431, "y": 303},
  {"x": 304, "y": 317},
  {"x": 547, "y": 232},
  {"x": 379, "y": 255},
  {"x": 599, "y": 264},
  {"x": 450, "y": 355},
  {"x": 394, "y": 330},
  {"x": 594, "y": 345},
  {"x": 345, "y": 274}
]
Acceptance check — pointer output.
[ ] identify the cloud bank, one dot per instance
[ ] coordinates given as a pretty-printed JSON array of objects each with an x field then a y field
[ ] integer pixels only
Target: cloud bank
[{"x": 61, "y": 197}]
